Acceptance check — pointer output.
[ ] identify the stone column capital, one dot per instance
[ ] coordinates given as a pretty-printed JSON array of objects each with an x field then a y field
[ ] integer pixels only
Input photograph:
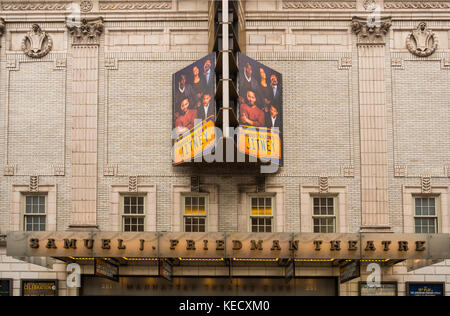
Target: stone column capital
[
  {"x": 371, "y": 31},
  {"x": 86, "y": 31}
]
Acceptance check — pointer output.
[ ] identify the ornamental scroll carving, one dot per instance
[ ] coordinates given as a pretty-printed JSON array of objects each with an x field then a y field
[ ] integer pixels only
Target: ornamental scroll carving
[
  {"x": 37, "y": 44},
  {"x": 416, "y": 4},
  {"x": 86, "y": 32},
  {"x": 318, "y": 4},
  {"x": 422, "y": 42},
  {"x": 370, "y": 33}
]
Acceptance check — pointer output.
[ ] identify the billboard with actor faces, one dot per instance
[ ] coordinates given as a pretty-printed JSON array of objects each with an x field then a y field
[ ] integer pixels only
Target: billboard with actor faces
[
  {"x": 260, "y": 110},
  {"x": 194, "y": 110}
]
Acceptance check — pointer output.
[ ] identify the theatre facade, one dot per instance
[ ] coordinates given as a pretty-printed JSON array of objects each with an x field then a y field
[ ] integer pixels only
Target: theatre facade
[{"x": 163, "y": 147}]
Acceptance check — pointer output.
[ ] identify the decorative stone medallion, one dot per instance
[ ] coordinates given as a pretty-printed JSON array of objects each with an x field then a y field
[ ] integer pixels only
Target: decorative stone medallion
[
  {"x": 422, "y": 42},
  {"x": 36, "y": 43},
  {"x": 86, "y": 6}
]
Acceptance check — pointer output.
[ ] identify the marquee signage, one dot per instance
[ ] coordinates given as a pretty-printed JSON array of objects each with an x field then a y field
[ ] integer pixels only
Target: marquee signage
[
  {"x": 39, "y": 287},
  {"x": 260, "y": 111},
  {"x": 229, "y": 245},
  {"x": 106, "y": 269},
  {"x": 194, "y": 110}
]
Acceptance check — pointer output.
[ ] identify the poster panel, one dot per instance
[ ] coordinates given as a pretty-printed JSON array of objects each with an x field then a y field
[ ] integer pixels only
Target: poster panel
[
  {"x": 194, "y": 110},
  {"x": 260, "y": 110},
  {"x": 39, "y": 288}
]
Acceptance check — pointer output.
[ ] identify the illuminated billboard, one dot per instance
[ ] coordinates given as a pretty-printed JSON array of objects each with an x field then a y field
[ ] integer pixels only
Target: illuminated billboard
[
  {"x": 194, "y": 110},
  {"x": 260, "y": 110}
]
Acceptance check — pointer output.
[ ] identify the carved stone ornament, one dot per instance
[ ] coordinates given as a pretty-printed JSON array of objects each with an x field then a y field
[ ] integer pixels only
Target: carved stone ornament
[
  {"x": 36, "y": 43},
  {"x": 323, "y": 184},
  {"x": 34, "y": 184},
  {"x": 426, "y": 184},
  {"x": 132, "y": 184},
  {"x": 2, "y": 26},
  {"x": 86, "y": 6},
  {"x": 422, "y": 42},
  {"x": 319, "y": 4},
  {"x": 370, "y": 32},
  {"x": 85, "y": 31}
]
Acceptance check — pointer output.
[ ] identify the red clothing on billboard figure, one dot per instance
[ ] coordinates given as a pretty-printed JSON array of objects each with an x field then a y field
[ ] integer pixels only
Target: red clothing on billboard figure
[
  {"x": 251, "y": 114},
  {"x": 186, "y": 121}
]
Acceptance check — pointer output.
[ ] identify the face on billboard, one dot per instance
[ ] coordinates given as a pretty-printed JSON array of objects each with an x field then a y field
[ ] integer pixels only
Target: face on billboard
[
  {"x": 193, "y": 107},
  {"x": 260, "y": 110}
]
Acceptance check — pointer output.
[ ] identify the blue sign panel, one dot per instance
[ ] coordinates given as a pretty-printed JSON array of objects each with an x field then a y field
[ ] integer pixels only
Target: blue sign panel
[
  {"x": 5, "y": 288},
  {"x": 426, "y": 289}
]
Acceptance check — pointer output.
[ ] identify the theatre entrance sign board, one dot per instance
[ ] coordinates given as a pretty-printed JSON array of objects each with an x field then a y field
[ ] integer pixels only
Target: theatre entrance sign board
[{"x": 358, "y": 246}]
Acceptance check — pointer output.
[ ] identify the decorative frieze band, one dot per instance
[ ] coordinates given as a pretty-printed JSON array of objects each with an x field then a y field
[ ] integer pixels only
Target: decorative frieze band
[
  {"x": 416, "y": 4},
  {"x": 34, "y": 6},
  {"x": 318, "y": 4},
  {"x": 13, "y": 60},
  {"x": 293, "y": 56},
  {"x": 135, "y": 5}
]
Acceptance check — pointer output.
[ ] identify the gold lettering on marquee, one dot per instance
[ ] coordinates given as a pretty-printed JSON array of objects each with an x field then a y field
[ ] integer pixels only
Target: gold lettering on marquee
[
  {"x": 173, "y": 244},
  {"x": 335, "y": 245},
  {"x": 256, "y": 245},
  {"x": 420, "y": 245},
  {"x": 352, "y": 245},
  {"x": 190, "y": 245},
  {"x": 403, "y": 246},
  {"x": 51, "y": 244},
  {"x": 317, "y": 244},
  {"x": 106, "y": 243},
  {"x": 34, "y": 243},
  {"x": 293, "y": 244},
  {"x": 386, "y": 244},
  {"x": 237, "y": 245},
  {"x": 89, "y": 243},
  {"x": 370, "y": 246},
  {"x": 276, "y": 245},
  {"x": 72, "y": 243},
  {"x": 121, "y": 245},
  {"x": 220, "y": 244}
]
